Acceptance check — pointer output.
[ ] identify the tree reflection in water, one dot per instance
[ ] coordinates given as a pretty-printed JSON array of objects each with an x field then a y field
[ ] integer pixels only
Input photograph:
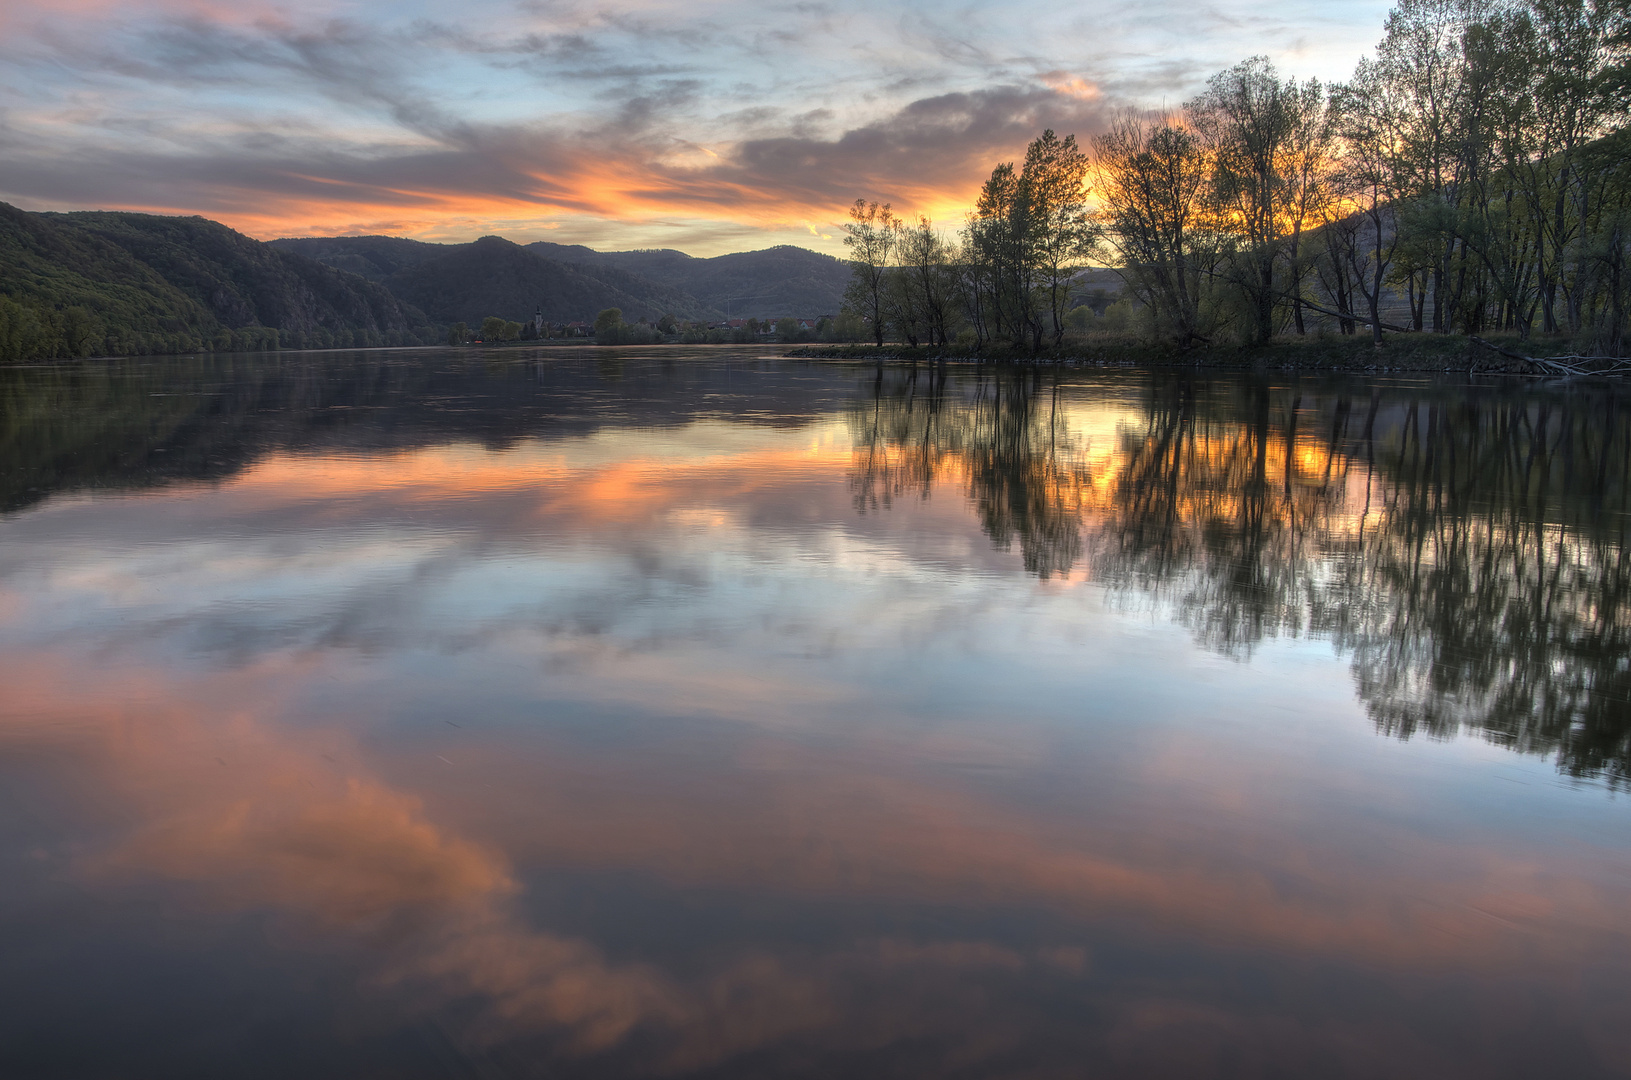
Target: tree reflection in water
[
  {"x": 1002, "y": 435},
  {"x": 1465, "y": 545}
]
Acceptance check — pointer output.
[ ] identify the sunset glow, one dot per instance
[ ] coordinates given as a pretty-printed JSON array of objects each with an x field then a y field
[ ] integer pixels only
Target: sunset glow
[{"x": 708, "y": 128}]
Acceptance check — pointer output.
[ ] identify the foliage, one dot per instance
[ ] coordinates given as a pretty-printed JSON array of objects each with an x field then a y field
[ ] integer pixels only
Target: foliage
[
  {"x": 780, "y": 279},
  {"x": 1152, "y": 181},
  {"x": 110, "y": 283},
  {"x": 1009, "y": 276},
  {"x": 1027, "y": 237},
  {"x": 1270, "y": 146},
  {"x": 610, "y": 329},
  {"x": 1477, "y": 164},
  {"x": 870, "y": 235},
  {"x": 495, "y": 328},
  {"x": 847, "y": 327}
]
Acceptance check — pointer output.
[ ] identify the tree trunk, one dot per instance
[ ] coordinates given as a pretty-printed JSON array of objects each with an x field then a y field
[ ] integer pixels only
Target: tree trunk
[{"x": 1297, "y": 279}]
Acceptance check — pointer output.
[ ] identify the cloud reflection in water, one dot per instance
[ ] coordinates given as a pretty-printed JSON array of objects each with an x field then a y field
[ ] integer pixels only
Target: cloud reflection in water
[{"x": 643, "y": 752}]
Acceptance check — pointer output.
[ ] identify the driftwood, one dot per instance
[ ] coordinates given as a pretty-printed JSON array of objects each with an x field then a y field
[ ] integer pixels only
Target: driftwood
[{"x": 1616, "y": 366}]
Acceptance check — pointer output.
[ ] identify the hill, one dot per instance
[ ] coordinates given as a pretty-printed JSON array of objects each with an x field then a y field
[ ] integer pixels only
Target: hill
[
  {"x": 100, "y": 282},
  {"x": 783, "y": 280},
  {"x": 373, "y": 257},
  {"x": 492, "y": 276}
]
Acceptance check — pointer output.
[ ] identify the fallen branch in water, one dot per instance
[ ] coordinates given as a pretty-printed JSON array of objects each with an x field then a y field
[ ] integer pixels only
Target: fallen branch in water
[{"x": 1563, "y": 365}]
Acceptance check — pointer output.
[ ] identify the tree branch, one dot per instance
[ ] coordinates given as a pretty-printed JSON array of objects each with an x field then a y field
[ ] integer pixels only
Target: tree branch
[{"x": 1619, "y": 366}]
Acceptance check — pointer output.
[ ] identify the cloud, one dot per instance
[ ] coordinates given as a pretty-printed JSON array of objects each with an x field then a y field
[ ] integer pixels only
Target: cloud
[
  {"x": 602, "y": 117},
  {"x": 251, "y": 819},
  {"x": 241, "y": 813},
  {"x": 237, "y": 808},
  {"x": 261, "y": 781},
  {"x": 930, "y": 155},
  {"x": 1073, "y": 85}
]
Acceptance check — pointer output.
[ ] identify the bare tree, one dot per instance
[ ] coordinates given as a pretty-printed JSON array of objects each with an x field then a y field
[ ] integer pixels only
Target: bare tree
[
  {"x": 1254, "y": 125},
  {"x": 1309, "y": 172},
  {"x": 1152, "y": 179},
  {"x": 927, "y": 276},
  {"x": 1054, "y": 183},
  {"x": 1370, "y": 177},
  {"x": 870, "y": 237},
  {"x": 1420, "y": 59},
  {"x": 1002, "y": 235}
]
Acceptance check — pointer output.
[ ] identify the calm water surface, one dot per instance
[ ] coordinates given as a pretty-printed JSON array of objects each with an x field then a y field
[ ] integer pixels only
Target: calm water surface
[{"x": 597, "y": 714}]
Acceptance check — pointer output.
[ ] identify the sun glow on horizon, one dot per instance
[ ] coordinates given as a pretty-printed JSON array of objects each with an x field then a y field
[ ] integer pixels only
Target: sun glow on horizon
[{"x": 622, "y": 125}]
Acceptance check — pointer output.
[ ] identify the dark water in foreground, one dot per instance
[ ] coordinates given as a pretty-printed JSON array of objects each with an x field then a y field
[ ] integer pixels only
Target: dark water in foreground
[{"x": 690, "y": 714}]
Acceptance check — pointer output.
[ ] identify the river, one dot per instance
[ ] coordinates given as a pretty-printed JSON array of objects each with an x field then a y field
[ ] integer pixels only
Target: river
[{"x": 695, "y": 712}]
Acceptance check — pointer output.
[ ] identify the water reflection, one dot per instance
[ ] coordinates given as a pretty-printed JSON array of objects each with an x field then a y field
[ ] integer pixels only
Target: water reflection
[
  {"x": 1465, "y": 545},
  {"x": 142, "y": 423},
  {"x": 616, "y": 716}
]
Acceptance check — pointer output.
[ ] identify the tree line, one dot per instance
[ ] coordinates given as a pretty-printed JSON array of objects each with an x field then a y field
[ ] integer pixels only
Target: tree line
[
  {"x": 610, "y": 328},
  {"x": 33, "y": 332},
  {"x": 1473, "y": 175}
]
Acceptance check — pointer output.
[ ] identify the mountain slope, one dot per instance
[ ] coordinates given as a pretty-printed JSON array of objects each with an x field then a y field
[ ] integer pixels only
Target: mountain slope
[
  {"x": 783, "y": 280},
  {"x": 492, "y": 276},
  {"x": 465, "y": 283},
  {"x": 373, "y": 257},
  {"x": 103, "y": 282}
]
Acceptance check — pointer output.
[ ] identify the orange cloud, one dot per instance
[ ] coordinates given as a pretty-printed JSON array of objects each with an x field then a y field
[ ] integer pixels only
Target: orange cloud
[
  {"x": 1072, "y": 85},
  {"x": 249, "y": 815},
  {"x": 928, "y": 157}
]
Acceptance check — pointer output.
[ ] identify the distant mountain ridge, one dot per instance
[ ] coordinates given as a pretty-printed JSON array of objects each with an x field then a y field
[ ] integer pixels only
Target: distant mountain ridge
[
  {"x": 492, "y": 276},
  {"x": 782, "y": 280},
  {"x": 373, "y": 257},
  {"x": 104, "y": 282},
  {"x": 568, "y": 282},
  {"x": 107, "y": 283}
]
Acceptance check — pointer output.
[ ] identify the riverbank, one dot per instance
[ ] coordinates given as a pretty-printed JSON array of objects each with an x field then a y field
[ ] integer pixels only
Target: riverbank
[{"x": 1422, "y": 353}]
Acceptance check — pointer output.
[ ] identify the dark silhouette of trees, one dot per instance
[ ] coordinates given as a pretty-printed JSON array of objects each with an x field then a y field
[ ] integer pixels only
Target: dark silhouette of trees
[
  {"x": 1465, "y": 548},
  {"x": 870, "y": 237},
  {"x": 1152, "y": 180},
  {"x": 1476, "y": 164}
]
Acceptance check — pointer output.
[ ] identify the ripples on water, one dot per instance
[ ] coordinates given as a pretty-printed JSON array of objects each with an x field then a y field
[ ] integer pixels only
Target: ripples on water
[{"x": 599, "y": 714}]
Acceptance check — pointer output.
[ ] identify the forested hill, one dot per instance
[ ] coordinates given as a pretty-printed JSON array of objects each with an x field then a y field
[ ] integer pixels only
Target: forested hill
[
  {"x": 466, "y": 282},
  {"x": 102, "y": 283},
  {"x": 111, "y": 283},
  {"x": 492, "y": 276},
  {"x": 783, "y": 280},
  {"x": 373, "y": 257}
]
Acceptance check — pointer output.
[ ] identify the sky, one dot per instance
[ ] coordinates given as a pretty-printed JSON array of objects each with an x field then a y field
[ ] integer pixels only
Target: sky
[{"x": 707, "y": 126}]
